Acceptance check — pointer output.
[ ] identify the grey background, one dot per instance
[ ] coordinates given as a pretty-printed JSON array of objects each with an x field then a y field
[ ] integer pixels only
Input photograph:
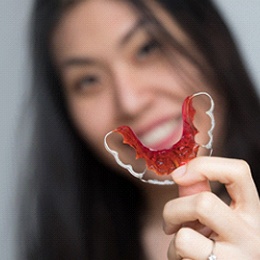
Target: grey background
[{"x": 242, "y": 16}]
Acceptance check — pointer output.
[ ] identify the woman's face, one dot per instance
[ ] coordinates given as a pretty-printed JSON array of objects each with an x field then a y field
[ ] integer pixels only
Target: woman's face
[{"x": 114, "y": 73}]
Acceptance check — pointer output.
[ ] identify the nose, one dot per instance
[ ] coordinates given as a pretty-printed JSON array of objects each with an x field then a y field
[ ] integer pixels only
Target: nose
[{"x": 133, "y": 91}]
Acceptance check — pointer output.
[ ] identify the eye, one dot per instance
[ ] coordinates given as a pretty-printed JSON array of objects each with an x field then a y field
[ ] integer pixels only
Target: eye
[
  {"x": 87, "y": 82},
  {"x": 148, "y": 48}
]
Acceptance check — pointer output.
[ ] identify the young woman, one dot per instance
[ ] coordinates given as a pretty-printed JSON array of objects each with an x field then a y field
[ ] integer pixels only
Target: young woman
[{"x": 99, "y": 64}]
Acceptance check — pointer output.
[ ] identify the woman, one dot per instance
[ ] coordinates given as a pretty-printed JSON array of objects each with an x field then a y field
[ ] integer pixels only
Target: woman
[{"x": 101, "y": 64}]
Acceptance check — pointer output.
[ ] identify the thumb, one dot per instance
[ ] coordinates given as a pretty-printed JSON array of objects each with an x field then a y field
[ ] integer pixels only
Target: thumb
[
  {"x": 194, "y": 188},
  {"x": 188, "y": 189}
]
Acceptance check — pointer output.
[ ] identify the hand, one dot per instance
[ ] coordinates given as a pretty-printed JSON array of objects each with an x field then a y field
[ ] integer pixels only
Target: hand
[{"x": 234, "y": 227}]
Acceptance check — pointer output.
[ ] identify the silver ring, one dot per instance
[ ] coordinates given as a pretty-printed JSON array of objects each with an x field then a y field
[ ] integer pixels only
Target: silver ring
[{"x": 212, "y": 256}]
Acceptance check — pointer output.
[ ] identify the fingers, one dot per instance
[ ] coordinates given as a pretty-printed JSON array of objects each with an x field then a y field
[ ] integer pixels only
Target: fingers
[
  {"x": 188, "y": 244},
  {"x": 194, "y": 188},
  {"x": 208, "y": 209},
  {"x": 234, "y": 174},
  {"x": 234, "y": 226}
]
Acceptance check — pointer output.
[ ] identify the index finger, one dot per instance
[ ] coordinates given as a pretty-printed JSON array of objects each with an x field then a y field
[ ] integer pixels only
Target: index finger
[{"x": 233, "y": 173}]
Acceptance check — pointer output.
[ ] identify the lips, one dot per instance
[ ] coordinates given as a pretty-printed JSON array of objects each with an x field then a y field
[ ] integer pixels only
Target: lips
[{"x": 162, "y": 135}]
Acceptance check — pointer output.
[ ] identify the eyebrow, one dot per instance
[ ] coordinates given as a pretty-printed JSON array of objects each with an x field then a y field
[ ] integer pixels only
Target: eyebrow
[
  {"x": 78, "y": 61},
  {"x": 140, "y": 24},
  {"x": 87, "y": 61}
]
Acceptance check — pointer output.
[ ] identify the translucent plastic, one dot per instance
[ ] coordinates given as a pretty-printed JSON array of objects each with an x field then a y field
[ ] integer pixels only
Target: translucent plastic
[{"x": 163, "y": 162}]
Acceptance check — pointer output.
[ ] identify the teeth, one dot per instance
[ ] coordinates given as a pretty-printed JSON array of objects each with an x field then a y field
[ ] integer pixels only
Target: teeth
[{"x": 159, "y": 133}]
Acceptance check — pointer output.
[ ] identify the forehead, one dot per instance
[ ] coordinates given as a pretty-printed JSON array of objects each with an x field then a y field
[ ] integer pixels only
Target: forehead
[
  {"x": 91, "y": 22},
  {"x": 94, "y": 27}
]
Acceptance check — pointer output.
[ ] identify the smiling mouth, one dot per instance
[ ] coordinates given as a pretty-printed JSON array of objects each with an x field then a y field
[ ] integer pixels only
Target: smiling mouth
[{"x": 164, "y": 135}]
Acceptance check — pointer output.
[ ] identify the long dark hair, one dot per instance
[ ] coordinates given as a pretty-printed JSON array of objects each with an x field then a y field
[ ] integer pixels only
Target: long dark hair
[{"x": 77, "y": 208}]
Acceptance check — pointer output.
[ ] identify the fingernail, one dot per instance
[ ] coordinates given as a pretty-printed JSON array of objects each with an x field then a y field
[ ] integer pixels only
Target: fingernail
[{"x": 179, "y": 172}]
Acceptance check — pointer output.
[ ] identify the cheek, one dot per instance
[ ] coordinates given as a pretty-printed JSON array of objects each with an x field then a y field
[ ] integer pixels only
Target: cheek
[{"x": 92, "y": 121}]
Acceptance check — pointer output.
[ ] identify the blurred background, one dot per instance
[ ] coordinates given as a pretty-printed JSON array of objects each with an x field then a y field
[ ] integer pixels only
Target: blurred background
[{"x": 243, "y": 17}]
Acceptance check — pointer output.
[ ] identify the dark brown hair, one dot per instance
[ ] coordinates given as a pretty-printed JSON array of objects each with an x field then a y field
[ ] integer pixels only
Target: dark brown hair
[{"x": 77, "y": 208}]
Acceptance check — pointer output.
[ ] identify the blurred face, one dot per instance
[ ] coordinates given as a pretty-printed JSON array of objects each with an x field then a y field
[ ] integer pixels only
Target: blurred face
[{"x": 115, "y": 73}]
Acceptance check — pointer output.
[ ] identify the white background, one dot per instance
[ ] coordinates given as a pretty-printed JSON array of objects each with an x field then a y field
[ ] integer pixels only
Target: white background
[{"x": 242, "y": 16}]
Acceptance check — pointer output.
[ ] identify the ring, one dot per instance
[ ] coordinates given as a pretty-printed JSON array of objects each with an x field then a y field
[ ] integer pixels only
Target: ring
[{"x": 212, "y": 256}]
